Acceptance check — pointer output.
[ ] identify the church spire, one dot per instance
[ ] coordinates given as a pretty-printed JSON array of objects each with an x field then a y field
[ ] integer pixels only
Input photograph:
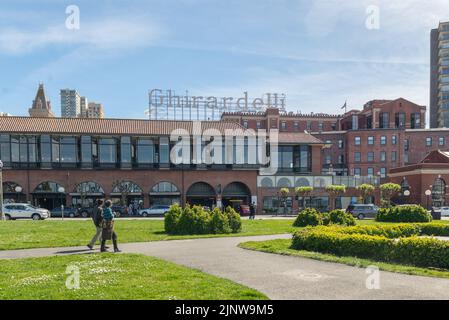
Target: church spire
[{"x": 41, "y": 106}]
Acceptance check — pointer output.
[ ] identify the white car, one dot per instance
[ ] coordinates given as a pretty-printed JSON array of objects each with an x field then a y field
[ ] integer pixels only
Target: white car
[
  {"x": 24, "y": 211},
  {"x": 157, "y": 210},
  {"x": 444, "y": 211}
]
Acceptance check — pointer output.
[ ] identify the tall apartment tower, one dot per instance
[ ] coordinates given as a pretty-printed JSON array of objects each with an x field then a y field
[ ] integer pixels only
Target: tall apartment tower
[
  {"x": 439, "y": 76},
  {"x": 83, "y": 106},
  {"x": 70, "y": 103}
]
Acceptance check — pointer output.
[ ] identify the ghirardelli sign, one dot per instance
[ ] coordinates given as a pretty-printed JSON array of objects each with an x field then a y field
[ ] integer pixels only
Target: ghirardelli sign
[{"x": 168, "y": 99}]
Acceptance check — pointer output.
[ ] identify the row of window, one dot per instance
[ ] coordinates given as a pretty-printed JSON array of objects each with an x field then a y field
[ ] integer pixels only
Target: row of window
[
  {"x": 370, "y": 156},
  {"x": 441, "y": 141},
  {"x": 370, "y": 172},
  {"x": 371, "y": 140},
  {"x": 296, "y": 125}
]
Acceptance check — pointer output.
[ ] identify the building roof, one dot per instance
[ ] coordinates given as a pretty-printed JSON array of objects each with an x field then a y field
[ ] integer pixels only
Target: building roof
[
  {"x": 436, "y": 156},
  {"x": 298, "y": 137},
  {"x": 34, "y": 125}
]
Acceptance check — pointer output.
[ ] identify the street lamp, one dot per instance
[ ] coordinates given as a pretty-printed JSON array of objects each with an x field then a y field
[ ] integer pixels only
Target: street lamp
[
  {"x": 428, "y": 193},
  {"x": 61, "y": 190},
  {"x": 18, "y": 190},
  {"x": 2, "y": 214}
]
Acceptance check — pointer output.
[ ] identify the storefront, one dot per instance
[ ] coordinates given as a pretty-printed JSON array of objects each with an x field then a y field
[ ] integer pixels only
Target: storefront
[
  {"x": 165, "y": 193},
  {"x": 47, "y": 195},
  {"x": 86, "y": 194}
]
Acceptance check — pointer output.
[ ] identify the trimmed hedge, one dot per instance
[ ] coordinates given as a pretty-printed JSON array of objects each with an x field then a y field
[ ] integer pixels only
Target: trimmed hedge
[
  {"x": 396, "y": 243},
  {"x": 311, "y": 217},
  {"x": 410, "y": 213},
  {"x": 196, "y": 220}
]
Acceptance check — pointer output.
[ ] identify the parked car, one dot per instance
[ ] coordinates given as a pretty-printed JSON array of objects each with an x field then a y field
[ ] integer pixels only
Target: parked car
[
  {"x": 24, "y": 211},
  {"x": 157, "y": 210},
  {"x": 68, "y": 212},
  {"x": 119, "y": 210},
  {"x": 362, "y": 211},
  {"x": 84, "y": 212}
]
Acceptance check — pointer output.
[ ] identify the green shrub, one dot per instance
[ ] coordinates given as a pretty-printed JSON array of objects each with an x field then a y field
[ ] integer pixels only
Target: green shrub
[
  {"x": 410, "y": 213},
  {"x": 396, "y": 243},
  {"x": 172, "y": 218},
  {"x": 341, "y": 217},
  {"x": 196, "y": 220},
  {"x": 308, "y": 217},
  {"x": 235, "y": 222}
]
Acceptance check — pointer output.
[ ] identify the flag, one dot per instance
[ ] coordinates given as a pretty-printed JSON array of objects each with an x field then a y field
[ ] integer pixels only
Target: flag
[{"x": 344, "y": 106}]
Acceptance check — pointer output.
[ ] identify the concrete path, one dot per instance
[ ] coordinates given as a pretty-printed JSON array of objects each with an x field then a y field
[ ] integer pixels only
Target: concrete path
[{"x": 279, "y": 277}]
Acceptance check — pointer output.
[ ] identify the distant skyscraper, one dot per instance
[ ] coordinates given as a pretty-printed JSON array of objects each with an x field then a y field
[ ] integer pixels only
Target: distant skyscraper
[
  {"x": 41, "y": 106},
  {"x": 95, "y": 110},
  {"x": 439, "y": 76},
  {"x": 83, "y": 106},
  {"x": 70, "y": 103}
]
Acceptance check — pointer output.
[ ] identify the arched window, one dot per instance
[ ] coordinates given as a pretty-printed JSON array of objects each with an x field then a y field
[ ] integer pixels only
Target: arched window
[
  {"x": 11, "y": 187},
  {"x": 284, "y": 183},
  {"x": 201, "y": 189},
  {"x": 126, "y": 187},
  {"x": 302, "y": 182},
  {"x": 267, "y": 183},
  {"x": 164, "y": 187},
  {"x": 88, "y": 187},
  {"x": 47, "y": 187},
  {"x": 236, "y": 189}
]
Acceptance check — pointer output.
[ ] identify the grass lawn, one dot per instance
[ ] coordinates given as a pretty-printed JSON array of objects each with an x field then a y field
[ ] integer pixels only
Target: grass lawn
[
  {"x": 283, "y": 247},
  {"x": 109, "y": 276},
  {"x": 25, "y": 234}
]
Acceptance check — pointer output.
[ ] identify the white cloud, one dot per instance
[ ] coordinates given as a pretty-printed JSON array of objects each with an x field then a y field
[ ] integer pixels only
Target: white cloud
[{"x": 105, "y": 34}]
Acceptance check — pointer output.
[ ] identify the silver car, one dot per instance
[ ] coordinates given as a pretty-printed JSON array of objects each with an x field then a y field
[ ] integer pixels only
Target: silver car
[
  {"x": 157, "y": 210},
  {"x": 362, "y": 211},
  {"x": 24, "y": 211}
]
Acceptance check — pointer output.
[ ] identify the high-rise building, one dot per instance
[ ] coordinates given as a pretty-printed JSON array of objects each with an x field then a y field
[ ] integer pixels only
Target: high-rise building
[
  {"x": 95, "y": 110},
  {"x": 41, "y": 106},
  {"x": 83, "y": 106},
  {"x": 70, "y": 103},
  {"x": 439, "y": 76}
]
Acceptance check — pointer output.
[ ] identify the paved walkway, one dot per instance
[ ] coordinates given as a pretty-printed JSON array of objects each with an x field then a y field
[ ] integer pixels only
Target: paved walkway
[{"x": 279, "y": 277}]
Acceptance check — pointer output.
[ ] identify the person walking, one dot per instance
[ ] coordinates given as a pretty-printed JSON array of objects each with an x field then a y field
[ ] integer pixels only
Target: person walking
[
  {"x": 108, "y": 232},
  {"x": 252, "y": 211},
  {"x": 97, "y": 219}
]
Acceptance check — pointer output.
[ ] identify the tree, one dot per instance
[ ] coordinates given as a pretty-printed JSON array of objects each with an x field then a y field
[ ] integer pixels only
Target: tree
[
  {"x": 365, "y": 191},
  {"x": 388, "y": 191},
  {"x": 284, "y": 193},
  {"x": 334, "y": 192},
  {"x": 123, "y": 188},
  {"x": 303, "y": 192}
]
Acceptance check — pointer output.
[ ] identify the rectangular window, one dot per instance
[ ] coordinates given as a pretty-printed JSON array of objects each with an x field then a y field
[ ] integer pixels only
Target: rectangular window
[
  {"x": 296, "y": 126},
  {"x": 415, "y": 120},
  {"x": 341, "y": 144},
  {"x": 55, "y": 149},
  {"x": 341, "y": 159},
  {"x": 245, "y": 123},
  {"x": 125, "y": 152},
  {"x": 328, "y": 159},
  {"x": 384, "y": 120},
  {"x": 68, "y": 150},
  {"x": 5, "y": 148},
  {"x": 370, "y": 156},
  {"x": 164, "y": 150},
  {"x": 383, "y": 172},
  {"x": 441, "y": 141},
  {"x": 45, "y": 154},
  {"x": 86, "y": 151},
  {"x": 320, "y": 126},
  {"x": 145, "y": 151},
  {"x": 357, "y": 157},
  {"x": 400, "y": 120},
  {"x": 357, "y": 172},
  {"x": 107, "y": 151},
  {"x": 406, "y": 145},
  {"x": 357, "y": 141},
  {"x": 393, "y": 156},
  {"x": 383, "y": 140},
  {"x": 370, "y": 172},
  {"x": 286, "y": 157},
  {"x": 283, "y": 125},
  {"x": 370, "y": 141},
  {"x": 383, "y": 156},
  {"x": 309, "y": 125},
  {"x": 258, "y": 125},
  {"x": 394, "y": 140},
  {"x": 428, "y": 142}
]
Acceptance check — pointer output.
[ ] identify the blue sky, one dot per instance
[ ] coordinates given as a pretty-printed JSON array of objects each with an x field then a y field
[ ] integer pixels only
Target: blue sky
[{"x": 319, "y": 53}]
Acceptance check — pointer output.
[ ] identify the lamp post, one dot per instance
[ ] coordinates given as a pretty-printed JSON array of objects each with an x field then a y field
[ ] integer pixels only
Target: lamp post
[
  {"x": 18, "y": 190},
  {"x": 2, "y": 214},
  {"x": 61, "y": 190},
  {"x": 407, "y": 194},
  {"x": 428, "y": 193}
]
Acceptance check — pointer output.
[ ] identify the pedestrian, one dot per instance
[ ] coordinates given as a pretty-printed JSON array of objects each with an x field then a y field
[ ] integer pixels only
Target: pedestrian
[
  {"x": 130, "y": 209},
  {"x": 252, "y": 211},
  {"x": 108, "y": 232},
  {"x": 97, "y": 219}
]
